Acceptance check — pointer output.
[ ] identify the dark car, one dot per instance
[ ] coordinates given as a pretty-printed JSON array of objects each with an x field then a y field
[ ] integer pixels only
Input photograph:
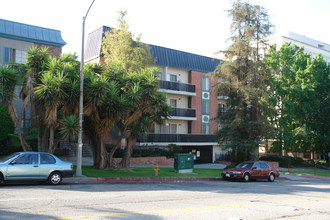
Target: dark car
[
  {"x": 37, "y": 166},
  {"x": 251, "y": 170}
]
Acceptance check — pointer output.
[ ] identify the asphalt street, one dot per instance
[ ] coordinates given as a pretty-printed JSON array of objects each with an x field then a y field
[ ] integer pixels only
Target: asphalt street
[{"x": 300, "y": 198}]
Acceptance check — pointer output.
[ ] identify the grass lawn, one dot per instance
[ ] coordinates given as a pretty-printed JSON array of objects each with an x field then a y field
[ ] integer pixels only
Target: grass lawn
[
  {"x": 169, "y": 172},
  {"x": 148, "y": 172},
  {"x": 325, "y": 173}
]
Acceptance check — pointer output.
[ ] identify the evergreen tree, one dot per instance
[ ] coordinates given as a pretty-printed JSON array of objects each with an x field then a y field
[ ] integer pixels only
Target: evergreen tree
[
  {"x": 119, "y": 46},
  {"x": 243, "y": 79}
]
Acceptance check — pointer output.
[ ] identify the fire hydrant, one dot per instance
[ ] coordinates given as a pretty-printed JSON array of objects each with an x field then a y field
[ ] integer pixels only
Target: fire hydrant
[{"x": 156, "y": 170}]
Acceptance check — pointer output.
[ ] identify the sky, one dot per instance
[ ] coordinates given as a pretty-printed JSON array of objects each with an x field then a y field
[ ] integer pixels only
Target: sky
[{"x": 196, "y": 26}]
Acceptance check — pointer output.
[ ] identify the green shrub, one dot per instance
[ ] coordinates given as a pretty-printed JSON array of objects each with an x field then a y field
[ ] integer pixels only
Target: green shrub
[
  {"x": 6, "y": 124},
  {"x": 284, "y": 161},
  {"x": 146, "y": 151}
]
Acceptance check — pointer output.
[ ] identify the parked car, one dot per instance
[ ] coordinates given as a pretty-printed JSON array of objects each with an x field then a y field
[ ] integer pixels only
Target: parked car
[
  {"x": 37, "y": 166},
  {"x": 251, "y": 170}
]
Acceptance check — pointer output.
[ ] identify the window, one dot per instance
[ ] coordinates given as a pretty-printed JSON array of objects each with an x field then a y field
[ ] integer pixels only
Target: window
[
  {"x": 264, "y": 165},
  {"x": 47, "y": 159},
  {"x": 115, "y": 133},
  {"x": 169, "y": 129},
  {"x": 206, "y": 83},
  {"x": 173, "y": 128},
  {"x": 206, "y": 108},
  {"x": 172, "y": 78},
  {"x": 14, "y": 55},
  {"x": 222, "y": 108},
  {"x": 205, "y": 129},
  {"x": 173, "y": 103},
  {"x": 27, "y": 159}
]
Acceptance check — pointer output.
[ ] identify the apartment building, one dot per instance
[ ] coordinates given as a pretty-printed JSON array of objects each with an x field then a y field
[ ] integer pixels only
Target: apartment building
[
  {"x": 186, "y": 80},
  {"x": 310, "y": 45},
  {"x": 15, "y": 41}
]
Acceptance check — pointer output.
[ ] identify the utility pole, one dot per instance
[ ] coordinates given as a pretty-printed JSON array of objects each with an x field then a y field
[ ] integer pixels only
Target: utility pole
[{"x": 81, "y": 98}]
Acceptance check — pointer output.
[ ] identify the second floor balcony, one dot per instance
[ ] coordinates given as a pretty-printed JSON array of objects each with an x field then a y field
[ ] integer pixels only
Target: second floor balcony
[
  {"x": 183, "y": 113},
  {"x": 179, "y": 88}
]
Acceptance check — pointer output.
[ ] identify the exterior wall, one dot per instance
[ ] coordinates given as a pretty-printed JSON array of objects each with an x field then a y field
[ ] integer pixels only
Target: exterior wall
[
  {"x": 214, "y": 107},
  {"x": 196, "y": 102},
  {"x": 181, "y": 101},
  {"x": 55, "y": 51},
  {"x": 24, "y": 46},
  {"x": 182, "y": 75},
  {"x": 196, "y": 78},
  {"x": 182, "y": 126},
  {"x": 149, "y": 160},
  {"x": 312, "y": 46},
  {"x": 96, "y": 60},
  {"x": 15, "y": 44}
]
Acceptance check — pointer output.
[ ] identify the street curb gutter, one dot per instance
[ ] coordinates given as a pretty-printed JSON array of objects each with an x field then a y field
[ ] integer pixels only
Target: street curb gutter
[{"x": 151, "y": 179}]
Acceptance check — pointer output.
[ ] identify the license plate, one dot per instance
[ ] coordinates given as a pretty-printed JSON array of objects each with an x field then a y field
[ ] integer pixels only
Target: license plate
[{"x": 227, "y": 175}]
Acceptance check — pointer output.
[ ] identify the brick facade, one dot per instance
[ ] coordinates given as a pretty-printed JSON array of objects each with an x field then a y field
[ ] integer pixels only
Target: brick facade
[
  {"x": 195, "y": 78},
  {"x": 149, "y": 160},
  {"x": 54, "y": 51}
]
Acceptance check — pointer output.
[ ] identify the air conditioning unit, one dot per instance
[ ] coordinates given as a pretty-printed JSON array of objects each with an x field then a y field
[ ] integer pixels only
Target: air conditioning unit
[
  {"x": 205, "y": 118},
  {"x": 205, "y": 95}
]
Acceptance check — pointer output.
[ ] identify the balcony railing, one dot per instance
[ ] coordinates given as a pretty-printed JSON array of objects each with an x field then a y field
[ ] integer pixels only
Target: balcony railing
[
  {"x": 177, "y": 138},
  {"x": 183, "y": 112},
  {"x": 177, "y": 86}
]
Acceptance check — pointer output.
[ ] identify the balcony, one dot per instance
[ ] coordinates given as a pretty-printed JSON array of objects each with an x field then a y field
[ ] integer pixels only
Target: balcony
[
  {"x": 183, "y": 113},
  {"x": 179, "y": 138},
  {"x": 178, "y": 88}
]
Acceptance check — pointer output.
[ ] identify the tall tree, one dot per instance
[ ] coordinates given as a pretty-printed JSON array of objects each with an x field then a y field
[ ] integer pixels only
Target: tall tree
[
  {"x": 243, "y": 79},
  {"x": 299, "y": 101},
  {"x": 120, "y": 46}
]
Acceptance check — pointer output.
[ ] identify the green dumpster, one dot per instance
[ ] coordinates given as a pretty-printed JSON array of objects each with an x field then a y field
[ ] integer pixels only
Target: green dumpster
[{"x": 183, "y": 163}]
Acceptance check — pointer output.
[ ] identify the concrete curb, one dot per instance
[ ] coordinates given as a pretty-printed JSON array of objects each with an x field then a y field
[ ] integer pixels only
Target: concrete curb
[
  {"x": 308, "y": 176},
  {"x": 151, "y": 179},
  {"x": 145, "y": 179}
]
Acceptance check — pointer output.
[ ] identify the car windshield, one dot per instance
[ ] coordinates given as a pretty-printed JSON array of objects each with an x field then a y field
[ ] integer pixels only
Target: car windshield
[
  {"x": 244, "y": 165},
  {"x": 8, "y": 157}
]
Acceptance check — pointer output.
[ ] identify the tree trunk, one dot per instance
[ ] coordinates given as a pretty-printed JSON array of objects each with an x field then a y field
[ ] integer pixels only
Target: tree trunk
[
  {"x": 125, "y": 162},
  {"x": 112, "y": 152},
  {"x": 39, "y": 138},
  {"x": 24, "y": 144},
  {"x": 51, "y": 140},
  {"x": 101, "y": 157},
  {"x": 44, "y": 145}
]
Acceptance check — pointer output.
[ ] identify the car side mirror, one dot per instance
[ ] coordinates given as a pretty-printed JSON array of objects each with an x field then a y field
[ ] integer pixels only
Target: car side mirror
[
  {"x": 13, "y": 162},
  {"x": 254, "y": 168}
]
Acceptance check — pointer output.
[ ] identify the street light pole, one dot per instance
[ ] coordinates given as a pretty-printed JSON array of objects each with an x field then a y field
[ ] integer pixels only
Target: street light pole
[{"x": 81, "y": 98}]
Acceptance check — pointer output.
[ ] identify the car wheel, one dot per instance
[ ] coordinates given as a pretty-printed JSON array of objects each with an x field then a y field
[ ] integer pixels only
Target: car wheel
[
  {"x": 246, "y": 177},
  {"x": 271, "y": 177},
  {"x": 55, "y": 178},
  {"x": 1, "y": 179}
]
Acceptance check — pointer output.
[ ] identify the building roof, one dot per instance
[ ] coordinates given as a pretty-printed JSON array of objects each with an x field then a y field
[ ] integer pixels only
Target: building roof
[
  {"x": 163, "y": 56},
  {"x": 29, "y": 33},
  {"x": 183, "y": 60}
]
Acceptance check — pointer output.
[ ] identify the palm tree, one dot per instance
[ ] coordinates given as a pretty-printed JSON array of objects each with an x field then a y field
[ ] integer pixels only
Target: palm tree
[
  {"x": 8, "y": 81},
  {"x": 144, "y": 104}
]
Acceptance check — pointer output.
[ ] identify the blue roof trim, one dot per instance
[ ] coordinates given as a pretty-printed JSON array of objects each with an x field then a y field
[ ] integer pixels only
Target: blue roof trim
[
  {"x": 29, "y": 33},
  {"x": 183, "y": 60}
]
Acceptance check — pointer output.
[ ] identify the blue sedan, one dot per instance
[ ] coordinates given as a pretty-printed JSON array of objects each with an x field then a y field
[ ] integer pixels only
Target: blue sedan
[{"x": 38, "y": 166}]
